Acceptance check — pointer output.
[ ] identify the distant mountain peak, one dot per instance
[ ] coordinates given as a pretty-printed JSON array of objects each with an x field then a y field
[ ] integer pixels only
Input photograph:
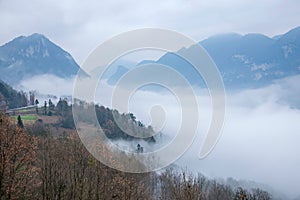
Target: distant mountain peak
[
  {"x": 28, "y": 56},
  {"x": 30, "y": 38},
  {"x": 225, "y": 35},
  {"x": 37, "y": 35},
  {"x": 256, "y": 35},
  {"x": 296, "y": 29},
  {"x": 292, "y": 36}
]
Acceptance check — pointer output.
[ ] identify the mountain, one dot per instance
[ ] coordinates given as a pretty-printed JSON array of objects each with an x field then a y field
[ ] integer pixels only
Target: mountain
[
  {"x": 112, "y": 80},
  {"x": 255, "y": 59},
  {"x": 25, "y": 57},
  {"x": 250, "y": 60}
]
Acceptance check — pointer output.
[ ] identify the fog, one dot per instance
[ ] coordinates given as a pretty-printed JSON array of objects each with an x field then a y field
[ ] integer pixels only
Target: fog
[
  {"x": 48, "y": 84},
  {"x": 259, "y": 142},
  {"x": 260, "y": 138}
]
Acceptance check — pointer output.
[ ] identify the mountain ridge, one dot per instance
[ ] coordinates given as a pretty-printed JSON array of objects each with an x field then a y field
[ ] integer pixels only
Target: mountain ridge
[
  {"x": 250, "y": 60},
  {"x": 244, "y": 61},
  {"x": 28, "y": 56}
]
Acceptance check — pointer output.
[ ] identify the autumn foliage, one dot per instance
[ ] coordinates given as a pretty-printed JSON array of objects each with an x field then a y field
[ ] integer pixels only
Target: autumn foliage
[
  {"x": 54, "y": 164},
  {"x": 17, "y": 157}
]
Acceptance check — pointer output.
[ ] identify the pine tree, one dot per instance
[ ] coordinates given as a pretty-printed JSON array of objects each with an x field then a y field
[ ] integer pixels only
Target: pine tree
[
  {"x": 37, "y": 106},
  {"x": 45, "y": 108},
  {"x": 20, "y": 123}
]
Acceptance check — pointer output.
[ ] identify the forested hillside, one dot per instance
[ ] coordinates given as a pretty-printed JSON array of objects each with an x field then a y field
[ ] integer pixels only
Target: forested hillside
[
  {"x": 56, "y": 165},
  {"x": 10, "y": 98}
]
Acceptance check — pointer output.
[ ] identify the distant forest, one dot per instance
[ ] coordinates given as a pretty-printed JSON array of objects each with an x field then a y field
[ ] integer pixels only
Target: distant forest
[{"x": 11, "y": 98}]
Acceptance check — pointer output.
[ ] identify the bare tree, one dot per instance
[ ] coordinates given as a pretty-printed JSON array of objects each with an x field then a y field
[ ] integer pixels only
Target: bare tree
[{"x": 17, "y": 155}]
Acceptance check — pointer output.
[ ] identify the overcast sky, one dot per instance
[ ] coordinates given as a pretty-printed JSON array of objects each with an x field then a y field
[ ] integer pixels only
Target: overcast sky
[{"x": 80, "y": 26}]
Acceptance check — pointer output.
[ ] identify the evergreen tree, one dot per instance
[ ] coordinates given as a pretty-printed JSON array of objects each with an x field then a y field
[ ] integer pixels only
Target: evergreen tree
[
  {"x": 31, "y": 98},
  {"x": 37, "y": 107},
  {"x": 45, "y": 108},
  {"x": 20, "y": 123},
  {"x": 51, "y": 105},
  {"x": 62, "y": 106}
]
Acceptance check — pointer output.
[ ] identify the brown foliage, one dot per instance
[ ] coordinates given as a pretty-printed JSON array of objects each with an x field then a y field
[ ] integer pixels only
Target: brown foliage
[
  {"x": 68, "y": 171},
  {"x": 56, "y": 165},
  {"x": 17, "y": 155}
]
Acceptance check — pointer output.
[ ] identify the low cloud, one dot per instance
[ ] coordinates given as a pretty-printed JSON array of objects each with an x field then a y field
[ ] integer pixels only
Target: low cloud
[
  {"x": 260, "y": 139},
  {"x": 48, "y": 84}
]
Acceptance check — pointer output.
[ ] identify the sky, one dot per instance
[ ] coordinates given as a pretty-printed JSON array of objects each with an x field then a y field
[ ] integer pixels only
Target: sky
[{"x": 80, "y": 26}]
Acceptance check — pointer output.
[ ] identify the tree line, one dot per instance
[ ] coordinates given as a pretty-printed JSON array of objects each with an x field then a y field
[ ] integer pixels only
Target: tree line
[
  {"x": 10, "y": 98},
  {"x": 110, "y": 121}
]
